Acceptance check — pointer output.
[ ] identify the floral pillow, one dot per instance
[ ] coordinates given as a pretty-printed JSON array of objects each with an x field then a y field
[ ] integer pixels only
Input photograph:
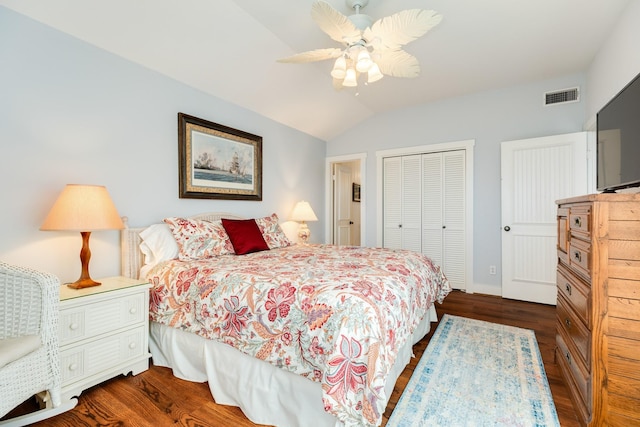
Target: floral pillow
[
  {"x": 198, "y": 239},
  {"x": 272, "y": 233}
]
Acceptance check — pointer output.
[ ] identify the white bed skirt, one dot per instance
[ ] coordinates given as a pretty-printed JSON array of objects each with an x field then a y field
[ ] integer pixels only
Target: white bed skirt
[{"x": 275, "y": 396}]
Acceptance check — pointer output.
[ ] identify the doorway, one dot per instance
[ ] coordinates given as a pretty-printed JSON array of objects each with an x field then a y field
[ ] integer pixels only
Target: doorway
[{"x": 345, "y": 200}]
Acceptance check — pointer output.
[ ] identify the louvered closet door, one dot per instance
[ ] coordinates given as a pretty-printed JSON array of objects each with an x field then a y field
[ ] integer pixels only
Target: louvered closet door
[
  {"x": 402, "y": 200},
  {"x": 454, "y": 197},
  {"x": 392, "y": 203},
  {"x": 411, "y": 202},
  {"x": 424, "y": 208},
  {"x": 443, "y": 213},
  {"x": 432, "y": 209}
]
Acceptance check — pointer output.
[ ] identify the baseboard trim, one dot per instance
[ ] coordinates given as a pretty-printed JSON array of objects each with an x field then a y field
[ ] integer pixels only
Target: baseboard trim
[{"x": 482, "y": 288}]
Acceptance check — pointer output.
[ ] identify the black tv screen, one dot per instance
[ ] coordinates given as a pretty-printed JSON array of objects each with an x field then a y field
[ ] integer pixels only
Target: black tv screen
[{"x": 618, "y": 130}]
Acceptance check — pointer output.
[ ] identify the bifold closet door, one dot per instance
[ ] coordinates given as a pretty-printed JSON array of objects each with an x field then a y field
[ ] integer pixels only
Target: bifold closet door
[
  {"x": 454, "y": 231},
  {"x": 443, "y": 213},
  {"x": 392, "y": 203},
  {"x": 424, "y": 208},
  {"x": 402, "y": 200},
  {"x": 432, "y": 208}
]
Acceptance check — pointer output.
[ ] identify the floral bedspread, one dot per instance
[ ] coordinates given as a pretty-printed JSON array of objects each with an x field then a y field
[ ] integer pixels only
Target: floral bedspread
[{"x": 336, "y": 315}]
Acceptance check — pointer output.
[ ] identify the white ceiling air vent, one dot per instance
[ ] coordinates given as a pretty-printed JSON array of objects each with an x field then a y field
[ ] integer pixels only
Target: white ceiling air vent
[{"x": 563, "y": 96}]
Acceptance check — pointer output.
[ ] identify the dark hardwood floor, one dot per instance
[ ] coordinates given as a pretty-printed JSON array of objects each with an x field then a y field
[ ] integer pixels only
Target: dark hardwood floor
[{"x": 156, "y": 398}]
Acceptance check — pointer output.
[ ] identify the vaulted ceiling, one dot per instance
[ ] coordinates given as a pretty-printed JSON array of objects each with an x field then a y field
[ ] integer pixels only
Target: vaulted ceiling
[{"x": 229, "y": 48}]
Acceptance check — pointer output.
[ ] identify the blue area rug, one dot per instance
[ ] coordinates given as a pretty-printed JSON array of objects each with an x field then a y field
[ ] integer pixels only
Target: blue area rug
[{"x": 476, "y": 373}]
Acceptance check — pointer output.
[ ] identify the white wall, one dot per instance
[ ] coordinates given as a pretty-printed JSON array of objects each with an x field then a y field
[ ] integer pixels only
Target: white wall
[
  {"x": 488, "y": 118},
  {"x": 617, "y": 62},
  {"x": 72, "y": 113}
]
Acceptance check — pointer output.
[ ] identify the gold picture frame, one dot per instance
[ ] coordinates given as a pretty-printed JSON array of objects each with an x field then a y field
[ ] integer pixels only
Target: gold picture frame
[{"x": 218, "y": 162}]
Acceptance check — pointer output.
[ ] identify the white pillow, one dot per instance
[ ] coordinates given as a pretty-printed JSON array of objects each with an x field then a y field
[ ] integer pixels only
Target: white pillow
[{"x": 158, "y": 244}]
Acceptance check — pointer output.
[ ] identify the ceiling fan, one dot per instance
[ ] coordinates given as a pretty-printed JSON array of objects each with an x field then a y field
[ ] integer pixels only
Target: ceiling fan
[{"x": 374, "y": 48}]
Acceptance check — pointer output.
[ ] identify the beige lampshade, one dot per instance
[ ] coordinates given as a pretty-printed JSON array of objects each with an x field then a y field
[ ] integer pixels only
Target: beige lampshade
[
  {"x": 83, "y": 208},
  {"x": 303, "y": 212}
]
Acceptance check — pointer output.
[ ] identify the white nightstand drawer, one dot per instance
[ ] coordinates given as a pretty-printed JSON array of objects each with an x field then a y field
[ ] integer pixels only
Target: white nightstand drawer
[
  {"x": 101, "y": 354},
  {"x": 85, "y": 321}
]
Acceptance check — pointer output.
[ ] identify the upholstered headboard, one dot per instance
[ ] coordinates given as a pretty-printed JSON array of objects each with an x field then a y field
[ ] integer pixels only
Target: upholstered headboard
[{"x": 132, "y": 258}]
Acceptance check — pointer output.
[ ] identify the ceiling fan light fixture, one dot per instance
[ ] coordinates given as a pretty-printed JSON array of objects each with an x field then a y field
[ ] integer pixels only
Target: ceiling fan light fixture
[
  {"x": 351, "y": 79},
  {"x": 374, "y": 74},
  {"x": 368, "y": 47},
  {"x": 339, "y": 70},
  {"x": 364, "y": 62}
]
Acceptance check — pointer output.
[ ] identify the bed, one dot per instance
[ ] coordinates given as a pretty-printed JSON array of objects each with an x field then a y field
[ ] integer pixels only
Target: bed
[{"x": 294, "y": 335}]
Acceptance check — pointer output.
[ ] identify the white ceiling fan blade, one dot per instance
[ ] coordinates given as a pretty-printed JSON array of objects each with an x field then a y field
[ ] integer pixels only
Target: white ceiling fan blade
[
  {"x": 312, "y": 56},
  {"x": 335, "y": 24},
  {"x": 398, "y": 63},
  {"x": 401, "y": 28}
]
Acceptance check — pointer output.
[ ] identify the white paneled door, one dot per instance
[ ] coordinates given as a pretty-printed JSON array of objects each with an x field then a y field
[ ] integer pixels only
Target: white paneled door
[
  {"x": 535, "y": 173},
  {"x": 342, "y": 205}
]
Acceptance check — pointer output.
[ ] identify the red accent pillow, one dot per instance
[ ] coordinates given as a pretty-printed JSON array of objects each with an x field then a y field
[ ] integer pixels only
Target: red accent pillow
[{"x": 245, "y": 235}]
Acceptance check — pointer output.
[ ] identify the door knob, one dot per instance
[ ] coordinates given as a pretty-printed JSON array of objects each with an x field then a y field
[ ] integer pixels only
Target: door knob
[{"x": 507, "y": 228}]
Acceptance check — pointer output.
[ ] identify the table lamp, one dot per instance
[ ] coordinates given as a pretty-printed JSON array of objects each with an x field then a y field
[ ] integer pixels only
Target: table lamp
[
  {"x": 83, "y": 208},
  {"x": 302, "y": 212}
]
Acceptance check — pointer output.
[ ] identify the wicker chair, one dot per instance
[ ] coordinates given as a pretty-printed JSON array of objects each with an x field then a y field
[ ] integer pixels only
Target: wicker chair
[{"x": 29, "y": 352}]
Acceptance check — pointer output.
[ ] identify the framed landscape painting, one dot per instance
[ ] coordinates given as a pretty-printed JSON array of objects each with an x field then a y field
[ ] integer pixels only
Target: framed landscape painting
[{"x": 218, "y": 162}]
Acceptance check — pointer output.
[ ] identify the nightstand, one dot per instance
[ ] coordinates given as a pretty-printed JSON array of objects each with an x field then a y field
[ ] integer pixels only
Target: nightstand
[{"x": 104, "y": 332}]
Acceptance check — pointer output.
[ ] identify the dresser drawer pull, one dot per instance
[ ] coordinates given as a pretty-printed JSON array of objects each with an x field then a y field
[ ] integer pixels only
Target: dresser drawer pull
[
  {"x": 578, "y": 222},
  {"x": 132, "y": 345},
  {"x": 567, "y": 286},
  {"x": 568, "y": 323},
  {"x": 132, "y": 310},
  {"x": 73, "y": 367},
  {"x": 568, "y": 356},
  {"x": 73, "y": 326},
  {"x": 578, "y": 256}
]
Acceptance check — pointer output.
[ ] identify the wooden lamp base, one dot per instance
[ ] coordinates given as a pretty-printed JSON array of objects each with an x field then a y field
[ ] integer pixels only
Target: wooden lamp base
[{"x": 85, "y": 281}]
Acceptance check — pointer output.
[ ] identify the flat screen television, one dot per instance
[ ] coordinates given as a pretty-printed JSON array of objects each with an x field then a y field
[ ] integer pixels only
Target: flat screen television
[{"x": 618, "y": 140}]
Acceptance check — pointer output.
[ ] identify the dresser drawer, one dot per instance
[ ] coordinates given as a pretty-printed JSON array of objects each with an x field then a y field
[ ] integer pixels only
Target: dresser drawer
[
  {"x": 580, "y": 257},
  {"x": 576, "y": 292},
  {"x": 575, "y": 373},
  {"x": 82, "y": 321},
  {"x": 580, "y": 221},
  {"x": 574, "y": 330},
  {"x": 563, "y": 233},
  {"x": 94, "y": 357}
]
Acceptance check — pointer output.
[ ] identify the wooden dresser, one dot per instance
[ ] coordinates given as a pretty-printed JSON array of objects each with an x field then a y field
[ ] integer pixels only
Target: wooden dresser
[{"x": 598, "y": 311}]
